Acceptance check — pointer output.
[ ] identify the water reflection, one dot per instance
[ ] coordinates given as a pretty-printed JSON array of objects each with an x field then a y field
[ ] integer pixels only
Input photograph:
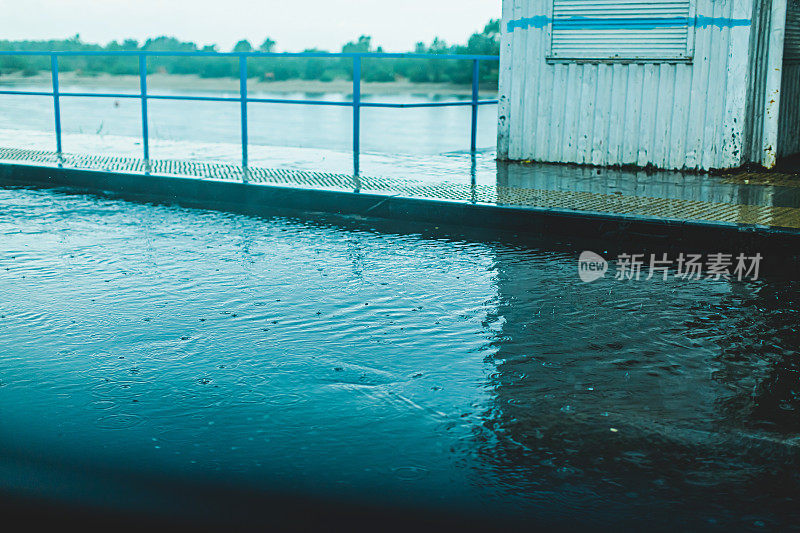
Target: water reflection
[
  {"x": 738, "y": 197},
  {"x": 622, "y": 399},
  {"x": 760, "y": 348}
]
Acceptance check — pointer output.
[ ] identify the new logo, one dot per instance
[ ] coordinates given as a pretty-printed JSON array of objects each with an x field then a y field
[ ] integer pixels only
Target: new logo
[{"x": 591, "y": 267}]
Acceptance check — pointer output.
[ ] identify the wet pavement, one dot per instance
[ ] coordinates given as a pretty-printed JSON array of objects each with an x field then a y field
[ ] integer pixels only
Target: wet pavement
[{"x": 747, "y": 198}]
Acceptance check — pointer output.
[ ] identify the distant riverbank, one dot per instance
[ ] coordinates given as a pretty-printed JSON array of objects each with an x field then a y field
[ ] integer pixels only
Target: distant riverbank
[{"x": 181, "y": 82}]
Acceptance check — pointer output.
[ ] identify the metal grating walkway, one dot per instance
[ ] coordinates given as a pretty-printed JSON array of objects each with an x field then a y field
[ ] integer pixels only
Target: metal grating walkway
[{"x": 755, "y": 209}]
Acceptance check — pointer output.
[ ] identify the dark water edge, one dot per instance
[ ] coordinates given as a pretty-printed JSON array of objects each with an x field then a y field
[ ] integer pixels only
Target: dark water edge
[{"x": 523, "y": 372}]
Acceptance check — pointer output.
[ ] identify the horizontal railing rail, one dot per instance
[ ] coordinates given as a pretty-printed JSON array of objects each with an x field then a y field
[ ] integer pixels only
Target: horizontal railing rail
[
  {"x": 136, "y": 96},
  {"x": 176, "y": 53},
  {"x": 356, "y": 103}
]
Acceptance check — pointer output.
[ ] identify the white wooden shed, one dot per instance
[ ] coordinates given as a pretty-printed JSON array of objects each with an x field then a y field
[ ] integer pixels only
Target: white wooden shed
[{"x": 674, "y": 84}]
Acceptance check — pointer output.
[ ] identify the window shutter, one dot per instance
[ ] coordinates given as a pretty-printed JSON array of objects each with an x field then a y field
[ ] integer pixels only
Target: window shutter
[{"x": 622, "y": 29}]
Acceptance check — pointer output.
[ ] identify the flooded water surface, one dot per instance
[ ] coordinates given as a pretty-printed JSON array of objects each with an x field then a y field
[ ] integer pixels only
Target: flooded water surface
[{"x": 458, "y": 376}]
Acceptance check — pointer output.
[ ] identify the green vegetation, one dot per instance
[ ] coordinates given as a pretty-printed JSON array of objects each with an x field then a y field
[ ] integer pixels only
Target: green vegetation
[{"x": 271, "y": 68}]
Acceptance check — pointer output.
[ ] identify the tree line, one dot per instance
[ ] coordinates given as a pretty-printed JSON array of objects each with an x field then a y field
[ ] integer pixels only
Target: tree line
[{"x": 418, "y": 70}]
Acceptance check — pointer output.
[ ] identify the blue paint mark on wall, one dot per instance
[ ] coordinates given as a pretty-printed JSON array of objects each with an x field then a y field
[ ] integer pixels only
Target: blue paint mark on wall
[
  {"x": 611, "y": 23},
  {"x": 528, "y": 22},
  {"x": 720, "y": 22}
]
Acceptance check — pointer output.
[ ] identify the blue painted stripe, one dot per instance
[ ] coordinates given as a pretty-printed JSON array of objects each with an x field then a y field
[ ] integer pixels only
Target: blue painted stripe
[
  {"x": 528, "y": 22},
  {"x": 618, "y": 23}
]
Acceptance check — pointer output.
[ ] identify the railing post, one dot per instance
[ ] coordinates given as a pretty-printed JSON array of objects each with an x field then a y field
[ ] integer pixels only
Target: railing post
[
  {"x": 143, "y": 96},
  {"x": 473, "y": 177},
  {"x": 356, "y": 112},
  {"x": 243, "y": 98},
  {"x": 56, "y": 103},
  {"x": 475, "y": 82}
]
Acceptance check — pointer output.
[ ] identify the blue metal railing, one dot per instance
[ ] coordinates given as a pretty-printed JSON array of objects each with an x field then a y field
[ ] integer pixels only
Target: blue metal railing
[{"x": 475, "y": 102}]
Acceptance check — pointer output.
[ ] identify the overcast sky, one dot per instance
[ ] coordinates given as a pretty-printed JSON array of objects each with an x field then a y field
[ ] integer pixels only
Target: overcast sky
[{"x": 295, "y": 24}]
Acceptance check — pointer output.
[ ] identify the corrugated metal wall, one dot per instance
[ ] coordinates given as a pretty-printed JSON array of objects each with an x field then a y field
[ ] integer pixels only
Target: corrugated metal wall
[
  {"x": 670, "y": 115},
  {"x": 759, "y": 46},
  {"x": 789, "y": 132}
]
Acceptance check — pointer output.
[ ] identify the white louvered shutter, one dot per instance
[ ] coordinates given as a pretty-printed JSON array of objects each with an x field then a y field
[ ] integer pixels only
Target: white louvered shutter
[{"x": 622, "y": 29}]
